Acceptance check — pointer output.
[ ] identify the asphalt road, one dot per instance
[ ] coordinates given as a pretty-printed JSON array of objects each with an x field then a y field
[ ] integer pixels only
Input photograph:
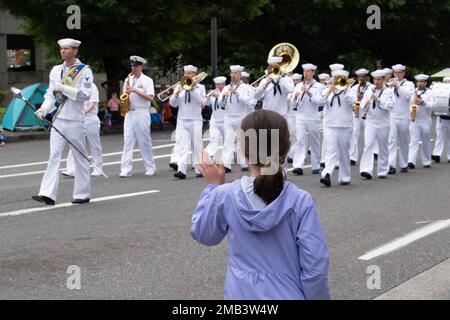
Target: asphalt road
[{"x": 139, "y": 247}]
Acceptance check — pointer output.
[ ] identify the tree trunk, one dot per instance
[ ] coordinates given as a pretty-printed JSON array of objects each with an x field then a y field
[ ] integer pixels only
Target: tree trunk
[{"x": 113, "y": 70}]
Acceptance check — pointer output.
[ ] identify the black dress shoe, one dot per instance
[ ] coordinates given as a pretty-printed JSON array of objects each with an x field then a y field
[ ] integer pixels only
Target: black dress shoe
[
  {"x": 227, "y": 170},
  {"x": 298, "y": 171},
  {"x": 179, "y": 175},
  {"x": 290, "y": 160},
  {"x": 199, "y": 175},
  {"x": 427, "y": 166},
  {"x": 44, "y": 199},
  {"x": 80, "y": 201},
  {"x": 326, "y": 180},
  {"x": 337, "y": 167},
  {"x": 244, "y": 169},
  {"x": 392, "y": 171},
  {"x": 382, "y": 177},
  {"x": 366, "y": 175},
  {"x": 322, "y": 164},
  {"x": 448, "y": 161},
  {"x": 353, "y": 162},
  {"x": 375, "y": 156},
  {"x": 315, "y": 171},
  {"x": 411, "y": 165},
  {"x": 344, "y": 183},
  {"x": 404, "y": 170},
  {"x": 436, "y": 159},
  {"x": 174, "y": 166}
]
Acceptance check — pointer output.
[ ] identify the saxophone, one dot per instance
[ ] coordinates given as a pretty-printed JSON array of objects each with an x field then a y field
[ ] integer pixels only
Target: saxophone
[{"x": 125, "y": 100}]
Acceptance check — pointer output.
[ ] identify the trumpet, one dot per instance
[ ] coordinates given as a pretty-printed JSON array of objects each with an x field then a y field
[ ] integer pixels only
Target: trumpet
[
  {"x": 364, "y": 117},
  {"x": 211, "y": 93},
  {"x": 341, "y": 83},
  {"x": 392, "y": 82},
  {"x": 227, "y": 94},
  {"x": 124, "y": 105},
  {"x": 186, "y": 83}
]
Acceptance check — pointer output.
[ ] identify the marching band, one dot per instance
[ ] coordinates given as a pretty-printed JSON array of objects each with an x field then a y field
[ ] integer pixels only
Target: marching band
[{"x": 396, "y": 118}]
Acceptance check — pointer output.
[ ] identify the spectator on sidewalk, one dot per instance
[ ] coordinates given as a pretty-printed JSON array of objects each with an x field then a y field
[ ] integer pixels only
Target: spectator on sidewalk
[
  {"x": 2, "y": 138},
  {"x": 113, "y": 106}
]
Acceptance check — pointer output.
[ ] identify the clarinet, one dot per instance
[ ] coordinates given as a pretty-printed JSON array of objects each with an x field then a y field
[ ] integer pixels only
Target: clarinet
[{"x": 366, "y": 111}]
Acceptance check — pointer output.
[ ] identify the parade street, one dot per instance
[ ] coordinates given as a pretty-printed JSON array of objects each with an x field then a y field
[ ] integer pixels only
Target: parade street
[{"x": 132, "y": 241}]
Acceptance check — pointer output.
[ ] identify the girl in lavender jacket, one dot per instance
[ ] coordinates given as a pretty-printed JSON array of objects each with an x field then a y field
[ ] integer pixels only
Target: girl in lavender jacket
[{"x": 276, "y": 246}]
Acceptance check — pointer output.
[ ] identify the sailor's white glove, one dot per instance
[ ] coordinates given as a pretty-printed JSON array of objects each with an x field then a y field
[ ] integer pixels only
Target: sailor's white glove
[
  {"x": 68, "y": 91},
  {"x": 45, "y": 109}
]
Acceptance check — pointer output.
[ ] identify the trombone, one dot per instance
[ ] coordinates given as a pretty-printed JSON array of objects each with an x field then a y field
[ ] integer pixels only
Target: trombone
[
  {"x": 291, "y": 58},
  {"x": 340, "y": 83},
  {"x": 186, "y": 83}
]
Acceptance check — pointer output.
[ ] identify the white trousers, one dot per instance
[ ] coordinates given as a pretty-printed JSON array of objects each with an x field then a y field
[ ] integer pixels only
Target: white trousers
[
  {"x": 94, "y": 143},
  {"x": 75, "y": 131},
  {"x": 189, "y": 139},
  {"x": 231, "y": 145},
  {"x": 373, "y": 136},
  {"x": 358, "y": 125},
  {"x": 338, "y": 146},
  {"x": 442, "y": 132},
  {"x": 291, "y": 123},
  {"x": 312, "y": 128},
  {"x": 420, "y": 131},
  {"x": 324, "y": 153},
  {"x": 136, "y": 127},
  {"x": 399, "y": 134},
  {"x": 216, "y": 132}
]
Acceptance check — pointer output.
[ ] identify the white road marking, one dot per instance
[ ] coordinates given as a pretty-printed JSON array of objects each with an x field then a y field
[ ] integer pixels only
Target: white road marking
[
  {"x": 30, "y": 164},
  {"x": 407, "y": 239},
  {"x": 69, "y": 204}
]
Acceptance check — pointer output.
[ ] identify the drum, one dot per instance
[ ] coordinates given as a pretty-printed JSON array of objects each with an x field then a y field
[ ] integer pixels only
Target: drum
[{"x": 441, "y": 92}]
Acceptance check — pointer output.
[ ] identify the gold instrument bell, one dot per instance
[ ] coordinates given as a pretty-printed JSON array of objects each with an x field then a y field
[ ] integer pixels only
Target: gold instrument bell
[
  {"x": 341, "y": 83},
  {"x": 291, "y": 59}
]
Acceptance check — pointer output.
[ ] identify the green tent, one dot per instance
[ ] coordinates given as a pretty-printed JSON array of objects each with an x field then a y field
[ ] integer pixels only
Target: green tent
[
  {"x": 442, "y": 73},
  {"x": 19, "y": 116}
]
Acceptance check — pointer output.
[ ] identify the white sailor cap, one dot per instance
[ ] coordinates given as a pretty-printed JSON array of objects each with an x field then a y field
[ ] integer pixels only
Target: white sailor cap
[
  {"x": 378, "y": 74},
  {"x": 274, "y": 60},
  {"x": 398, "y": 67},
  {"x": 323, "y": 76},
  {"x": 340, "y": 73},
  {"x": 296, "y": 76},
  {"x": 237, "y": 68},
  {"x": 362, "y": 72},
  {"x": 336, "y": 66},
  {"x": 69, "y": 42},
  {"x": 446, "y": 79},
  {"x": 218, "y": 80},
  {"x": 136, "y": 60},
  {"x": 309, "y": 66},
  {"x": 245, "y": 74},
  {"x": 387, "y": 70},
  {"x": 421, "y": 77},
  {"x": 190, "y": 68}
]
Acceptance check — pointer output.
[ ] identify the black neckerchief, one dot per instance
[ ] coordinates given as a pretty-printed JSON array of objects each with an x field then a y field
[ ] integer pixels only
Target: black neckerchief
[
  {"x": 374, "y": 102},
  {"x": 276, "y": 86},
  {"x": 361, "y": 93},
  {"x": 231, "y": 95},
  {"x": 310, "y": 86},
  {"x": 338, "y": 98},
  {"x": 396, "y": 89}
]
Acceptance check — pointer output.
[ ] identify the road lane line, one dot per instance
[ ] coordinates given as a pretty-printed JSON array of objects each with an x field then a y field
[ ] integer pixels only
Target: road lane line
[
  {"x": 407, "y": 239},
  {"x": 30, "y": 164},
  {"x": 69, "y": 204}
]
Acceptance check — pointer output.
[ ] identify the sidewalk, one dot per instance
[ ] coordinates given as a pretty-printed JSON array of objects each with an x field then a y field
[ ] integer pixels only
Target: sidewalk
[{"x": 433, "y": 284}]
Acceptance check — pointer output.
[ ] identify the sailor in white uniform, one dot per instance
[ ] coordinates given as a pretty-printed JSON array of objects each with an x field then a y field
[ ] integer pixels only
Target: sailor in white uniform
[
  {"x": 338, "y": 121},
  {"x": 92, "y": 123},
  {"x": 400, "y": 120},
  {"x": 420, "y": 127},
  {"x": 137, "y": 124},
  {"x": 296, "y": 79},
  {"x": 70, "y": 86},
  {"x": 359, "y": 89},
  {"x": 188, "y": 136},
  {"x": 377, "y": 103},
  {"x": 442, "y": 132},
  {"x": 236, "y": 98},
  {"x": 216, "y": 124}
]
